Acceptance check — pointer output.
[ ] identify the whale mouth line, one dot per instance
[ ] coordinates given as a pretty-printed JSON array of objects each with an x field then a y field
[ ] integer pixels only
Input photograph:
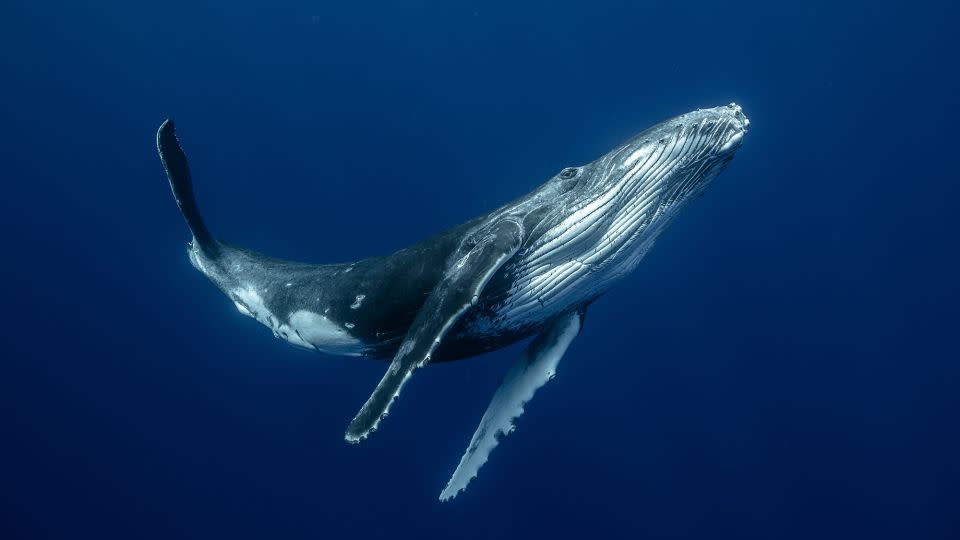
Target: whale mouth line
[{"x": 734, "y": 141}]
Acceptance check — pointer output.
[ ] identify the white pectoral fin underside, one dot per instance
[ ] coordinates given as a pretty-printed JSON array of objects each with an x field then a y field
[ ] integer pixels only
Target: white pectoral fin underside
[
  {"x": 469, "y": 270},
  {"x": 536, "y": 366}
]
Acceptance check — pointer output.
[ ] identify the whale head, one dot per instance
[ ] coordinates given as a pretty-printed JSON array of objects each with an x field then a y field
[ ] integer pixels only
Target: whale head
[
  {"x": 670, "y": 162},
  {"x": 605, "y": 215},
  {"x": 639, "y": 187}
]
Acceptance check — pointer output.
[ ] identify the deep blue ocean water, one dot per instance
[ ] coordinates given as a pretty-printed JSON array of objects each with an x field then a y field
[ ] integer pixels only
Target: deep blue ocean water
[{"x": 782, "y": 365}]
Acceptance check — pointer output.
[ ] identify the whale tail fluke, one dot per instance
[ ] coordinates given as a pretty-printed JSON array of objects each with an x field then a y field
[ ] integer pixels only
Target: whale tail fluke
[{"x": 178, "y": 173}]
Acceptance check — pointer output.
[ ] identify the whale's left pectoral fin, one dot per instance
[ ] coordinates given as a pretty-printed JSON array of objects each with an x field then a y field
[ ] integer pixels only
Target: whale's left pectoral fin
[
  {"x": 469, "y": 270},
  {"x": 533, "y": 369}
]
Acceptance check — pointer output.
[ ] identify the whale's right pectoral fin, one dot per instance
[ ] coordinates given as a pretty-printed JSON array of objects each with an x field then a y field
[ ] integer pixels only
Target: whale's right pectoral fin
[
  {"x": 469, "y": 270},
  {"x": 533, "y": 369}
]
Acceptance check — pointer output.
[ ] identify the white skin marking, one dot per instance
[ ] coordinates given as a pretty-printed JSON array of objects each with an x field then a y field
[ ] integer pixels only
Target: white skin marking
[
  {"x": 249, "y": 302},
  {"x": 305, "y": 328},
  {"x": 358, "y": 301},
  {"x": 325, "y": 335}
]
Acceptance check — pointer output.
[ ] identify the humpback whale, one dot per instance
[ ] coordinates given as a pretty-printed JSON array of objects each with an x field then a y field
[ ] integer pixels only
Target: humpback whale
[{"x": 529, "y": 268}]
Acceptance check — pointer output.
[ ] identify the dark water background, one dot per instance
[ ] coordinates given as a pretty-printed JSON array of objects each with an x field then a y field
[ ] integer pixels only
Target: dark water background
[{"x": 782, "y": 365}]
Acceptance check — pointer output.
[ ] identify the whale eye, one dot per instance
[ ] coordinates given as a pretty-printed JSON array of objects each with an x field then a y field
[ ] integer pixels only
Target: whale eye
[{"x": 568, "y": 179}]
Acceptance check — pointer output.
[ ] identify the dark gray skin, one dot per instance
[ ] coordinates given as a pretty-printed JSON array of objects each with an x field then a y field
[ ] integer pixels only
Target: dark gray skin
[
  {"x": 395, "y": 287},
  {"x": 489, "y": 282}
]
